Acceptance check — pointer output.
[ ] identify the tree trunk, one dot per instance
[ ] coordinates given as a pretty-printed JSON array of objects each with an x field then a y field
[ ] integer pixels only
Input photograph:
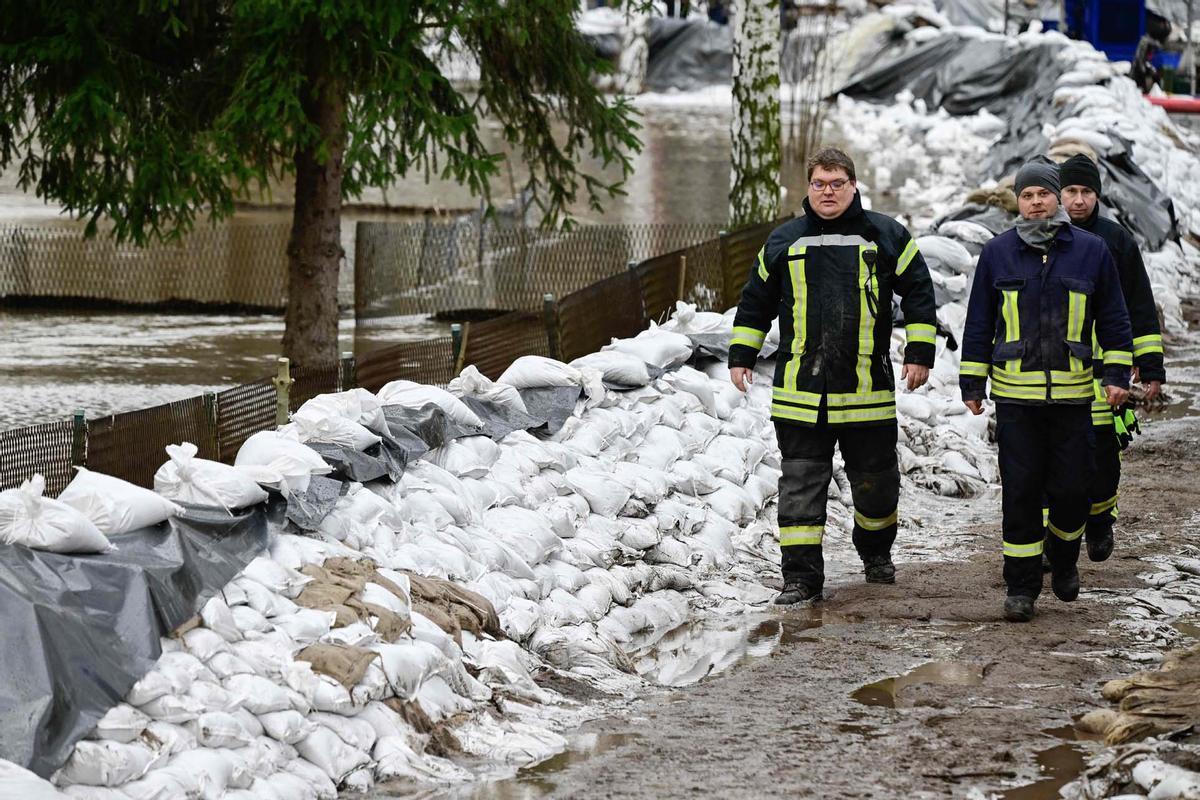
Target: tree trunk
[
  {"x": 315, "y": 245},
  {"x": 755, "y": 129}
]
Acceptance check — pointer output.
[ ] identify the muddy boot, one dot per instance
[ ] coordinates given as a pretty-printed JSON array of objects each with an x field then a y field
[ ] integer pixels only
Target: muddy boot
[
  {"x": 797, "y": 593},
  {"x": 1018, "y": 608},
  {"x": 1065, "y": 583},
  {"x": 1099, "y": 539},
  {"x": 879, "y": 569}
]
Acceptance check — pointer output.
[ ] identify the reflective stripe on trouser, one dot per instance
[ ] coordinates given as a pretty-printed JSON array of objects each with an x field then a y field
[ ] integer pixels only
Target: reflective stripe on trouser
[
  {"x": 1106, "y": 479},
  {"x": 875, "y": 498},
  {"x": 1045, "y": 452},
  {"x": 803, "y": 494}
]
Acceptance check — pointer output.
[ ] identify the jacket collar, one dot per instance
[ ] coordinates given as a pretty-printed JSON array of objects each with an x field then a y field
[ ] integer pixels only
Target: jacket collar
[
  {"x": 1062, "y": 239},
  {"x": 1089, "y": 224},
  {"x": 850, "y": 216}
]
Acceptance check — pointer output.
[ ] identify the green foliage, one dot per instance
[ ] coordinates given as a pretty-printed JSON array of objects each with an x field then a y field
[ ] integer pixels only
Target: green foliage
[{"x": 154, "y": 112}]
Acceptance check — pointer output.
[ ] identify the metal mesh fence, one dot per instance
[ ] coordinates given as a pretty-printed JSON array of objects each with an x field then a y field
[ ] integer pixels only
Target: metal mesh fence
[
  {"x": 430, "y": 361},
  {"x": 238, "y": 264},
  {"x": 739, "y": 250},
  {"x": 493, "y": 345},
  {"x": 589, "y": 318},
  {"x": 132, "y": 446},
  {"x": 704, "y": 283},
  {"x": 46, "y": 448},
  {"x": 242, "y": 412},
  {"x": 465, "y": 264}
]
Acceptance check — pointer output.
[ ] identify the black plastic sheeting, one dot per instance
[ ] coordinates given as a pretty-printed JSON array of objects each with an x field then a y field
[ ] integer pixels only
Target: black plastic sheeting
[
  {"x": 81, "y": 630},
  {"x": 688, "y": 55},
  {"x": 427, "y": 426},
  {"x": 555, "y": 404},
  {"x": 499, "y": 421},
  {"x": 307, "y": 509},
  {"x": 1016, "y": 82}
]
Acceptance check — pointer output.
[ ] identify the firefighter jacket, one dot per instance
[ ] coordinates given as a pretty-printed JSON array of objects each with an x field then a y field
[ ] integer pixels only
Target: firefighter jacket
[
  {"x": 1031, "y": 317},
  {"x": 830, "y": 283},
  {"x": 1139, "y": 297}
]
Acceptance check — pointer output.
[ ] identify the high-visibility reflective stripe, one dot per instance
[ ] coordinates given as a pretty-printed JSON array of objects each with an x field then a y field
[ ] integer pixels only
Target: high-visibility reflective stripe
[
  {"x": 874, "y": 523},
  {"x": 920, "y": 332},
  {"x": 974, "y": 369},
  {"x": 796, "y": 268},
  {"x": 1102, "y": 418},
  {"x": 1023, "y": 550},
  {"x": 1008, "y": 376},
  {"x": 906, "y": 257},
  {"x": 1104, "y": 505},
  {"x": 762, "y": 263},
  {"x": 800, "y": 534},
  {"x": 1058, "y": 377},
  {"x": 1012, "y": 324},
  {"x": 1070, "y": 392},
  {"x": 862, "y": 414},
  {"x": 1151, "y": 343},
  {"x": 831, "y": 240},
  {"x": 1019, "y": 392},
  {"x": 1076, "y": 312},
  {"x": 751, "y": 337},
  {"x": 866, "y": 341},
  {"x": 1066, "y": 536},
  {"x": 1045, "y": 516},
  {"x": 1118, "y": 357},
  {"x": 794, "y": 414},
  {"x": 842, "y": 399},
  {"x": 802, "y": 398}
]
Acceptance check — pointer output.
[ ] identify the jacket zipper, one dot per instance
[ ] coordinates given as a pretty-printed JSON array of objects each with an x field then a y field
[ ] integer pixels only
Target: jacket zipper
[{"x": 1046, "y": 367}]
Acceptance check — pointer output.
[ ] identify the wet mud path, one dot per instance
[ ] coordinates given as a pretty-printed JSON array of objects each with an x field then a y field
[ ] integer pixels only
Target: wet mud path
[{"x": 916, "y": 690}]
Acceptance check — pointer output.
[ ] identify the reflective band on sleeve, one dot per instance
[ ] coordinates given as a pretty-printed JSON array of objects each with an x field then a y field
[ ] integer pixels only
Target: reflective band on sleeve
[
  {"x": 1118, "y": 357},
  {"x": 920, "y": 332},
  {"x": 973, "y": 369},
  {"x": 874, "y": 523},
  {"x": 1023, "y": 550},
  {"x": 1066, "y": 536},
  {"x": 800, "y": 534},
  {"x": 906, "y": 257},
  {"x": 750, "y": 337},
  {"x": 1104, "y": 506},
  {"x": 1143, "y": 345},
  {"x": 762, "y": 263}
]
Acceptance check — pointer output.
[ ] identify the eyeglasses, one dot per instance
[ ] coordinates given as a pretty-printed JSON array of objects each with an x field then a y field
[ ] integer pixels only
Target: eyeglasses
[{"x": 837, "y": 186}]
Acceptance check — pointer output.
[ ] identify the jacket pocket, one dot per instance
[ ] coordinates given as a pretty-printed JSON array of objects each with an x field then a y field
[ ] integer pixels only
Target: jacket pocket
[
  {"x": 1007, "y": 351},
  {"x": 1079, "y": 355},
  {"x": 1079, "y": 292}
]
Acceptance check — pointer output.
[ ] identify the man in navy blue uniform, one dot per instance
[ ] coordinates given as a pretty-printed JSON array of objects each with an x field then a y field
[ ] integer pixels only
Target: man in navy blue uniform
[{"x": 1040, "y": 292}]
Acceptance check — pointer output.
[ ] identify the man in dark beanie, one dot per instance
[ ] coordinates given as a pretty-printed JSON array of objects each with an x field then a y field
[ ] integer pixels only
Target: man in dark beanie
[
  {"x": 1114, "y": 427},
  {"x": 1040, "y": 293}
]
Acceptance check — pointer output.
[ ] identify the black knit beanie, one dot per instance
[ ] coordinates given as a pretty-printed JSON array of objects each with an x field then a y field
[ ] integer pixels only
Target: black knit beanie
[{"x": 1079, "y": 170}]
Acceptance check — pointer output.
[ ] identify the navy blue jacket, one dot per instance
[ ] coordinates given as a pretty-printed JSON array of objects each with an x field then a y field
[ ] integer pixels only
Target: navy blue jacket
[{"x": 1031, "y": 317}]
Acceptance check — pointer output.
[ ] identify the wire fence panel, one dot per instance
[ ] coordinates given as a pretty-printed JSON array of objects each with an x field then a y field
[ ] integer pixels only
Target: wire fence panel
[
  {"x": 45, "y": 449},
  {"x": 430, "y": 361},
  {"x": 704, "y": 283},
  {"x": 661, "y": 280},
  {"x": 739, "y": 253},
  {"x": 242, "y": 412},
  {"x": 241, "y": 265},
  {"x": 491, "y": 346},
  {"x": 589, "y": 318},
  {"x": 310, "y": 381},
  {"x": 132, "y": 446}
]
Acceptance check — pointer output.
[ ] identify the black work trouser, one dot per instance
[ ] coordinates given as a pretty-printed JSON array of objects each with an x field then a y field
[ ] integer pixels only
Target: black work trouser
[
  {"x": 1106, "y": 479},
  {"x": 871, "y": 466},
  {"x": 1045, "y": 451}
]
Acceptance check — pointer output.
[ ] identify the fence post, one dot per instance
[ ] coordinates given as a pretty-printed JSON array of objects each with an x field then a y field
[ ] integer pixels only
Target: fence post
[
  {"x": 723, "y": 249},
  {"x": 283, "y": 383},
  {"x": 682, "y": 293},
  {"x": 457, "y": 337},
  {"x": 78, "y": 439},
  {"x": 550, "y": 318},
  {"x": 210, "y": 415},
  {"x": 349, "y": 378}
]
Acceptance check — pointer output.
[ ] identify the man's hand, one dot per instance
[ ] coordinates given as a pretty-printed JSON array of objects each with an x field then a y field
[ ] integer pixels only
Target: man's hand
[
  {"x": 916, "y": 375},
  {"x": 1115, "y": 396},
  {"x": 975, "y": 406},
  {"x": 1153, "y": 390},
  {"x": 742, "y": 377}
]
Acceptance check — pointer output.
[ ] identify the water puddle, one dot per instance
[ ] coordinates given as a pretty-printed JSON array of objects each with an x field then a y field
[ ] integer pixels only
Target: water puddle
[
  {"x": 1060, "y": 765},
  {"x": 884, "y": 693},
  {"x": 1070, "y": 733},
  {"x": 1187, "y": 628}
]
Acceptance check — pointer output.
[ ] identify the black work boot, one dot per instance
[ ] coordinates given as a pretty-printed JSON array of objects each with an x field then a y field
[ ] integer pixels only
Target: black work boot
[
  {"x": 1018, "y": 608},
  {"x": 1064, "y": 581},
  {"x": 1099, "y": 542},
  {"x": 797, "y": 593},
  {"x": 879, "y": 569}
]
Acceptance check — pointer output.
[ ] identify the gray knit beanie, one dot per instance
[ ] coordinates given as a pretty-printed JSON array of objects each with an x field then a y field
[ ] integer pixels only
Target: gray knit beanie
[{"x": 1038, "y": 171}]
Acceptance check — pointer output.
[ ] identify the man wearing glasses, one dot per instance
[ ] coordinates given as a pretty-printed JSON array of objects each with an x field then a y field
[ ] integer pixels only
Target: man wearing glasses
[{"x": 829, "y": 277}]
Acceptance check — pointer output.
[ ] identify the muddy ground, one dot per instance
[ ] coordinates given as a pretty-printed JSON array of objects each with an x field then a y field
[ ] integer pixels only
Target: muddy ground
[{"x": 988, "y": 711}]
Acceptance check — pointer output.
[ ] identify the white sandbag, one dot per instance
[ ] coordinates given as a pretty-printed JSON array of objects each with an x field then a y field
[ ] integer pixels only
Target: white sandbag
[
  {"x": 357, "y": 733},
  {"x": 122, "y": 723},
  {"x": 21, "y": 784},
  {"x": 357, "y": 405},
  {"x": 307, "y": 625},
  {"x": 220, "y": 729},
  {"x": 396, "y": 759},
  {"x": 517, "y": 527},
  {"x": 276, "y": 577},
  {"x": 520, "y": 618},
  {"x": 168, "y": 737},
  {"x": 113, "y": 505},
  {"x": 334, "y": 757},
  {"x": 295, "y": 462},
  {"x": 224, "y": 665},
  {"x": 623, "y": 369},
  {"x": 212, "y": 697},
  {"x": 694, "y": 382},
  {"x": 27, "y": 518},
  {"x": 657, "y": 347},
  {"x": 330, "y": 430},
  {"x": 314, "y": 776},
  {"x": 605, "y": 495},
  {"x": 218, "y": 617},
  {"x": 106, "y": 763},
  {"x": 661, "y": 448},
  {"x": 259, "y": 695},
  {"x": 164, "y": 782},
  {"x": 686, "y": 319},
  {"x": 466, "y": 457},
  {"x": 175, "y": 709},
  {"x": 944, "y": 255},
  {"x": 187, "y": 479},
  {"x": 204, "y": 643},
  {"x": 534, "y": 372},
  {"x": 408, "y": 664},
  {"x": 415, "y": 395},
  {"x": 215, "y": 771},
  {"x": 249, "y": 621},
  {"x": 472, "y": 383}
]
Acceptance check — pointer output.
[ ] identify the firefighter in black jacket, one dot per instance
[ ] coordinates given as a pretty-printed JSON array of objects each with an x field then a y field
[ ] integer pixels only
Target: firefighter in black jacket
[
  {"x": 829, "y": 277},
  {"x": 1113, "y": 427},
  {"x": 1040, "y": 291}
]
